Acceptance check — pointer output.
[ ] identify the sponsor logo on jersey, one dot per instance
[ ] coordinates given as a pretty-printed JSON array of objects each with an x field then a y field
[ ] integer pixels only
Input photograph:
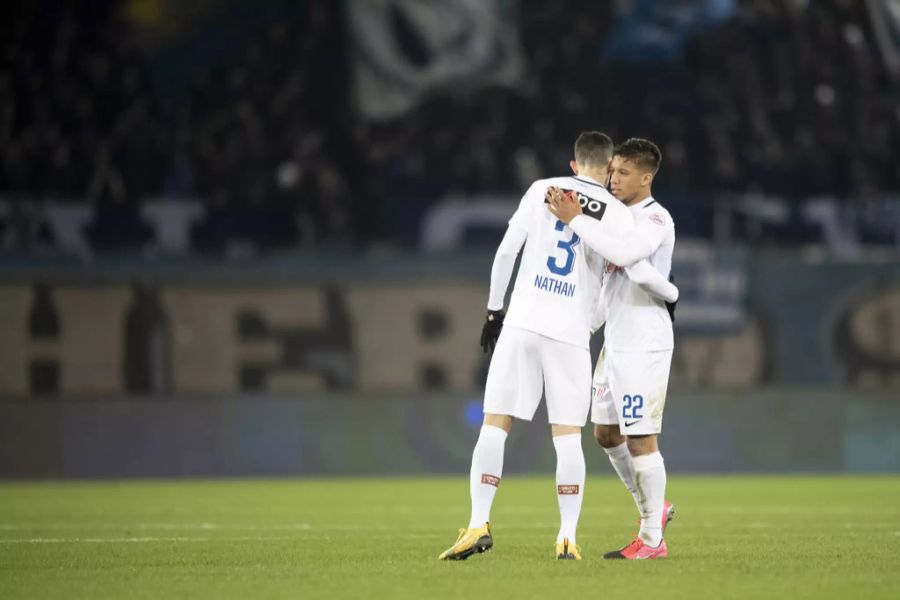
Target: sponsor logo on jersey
[
  {"x": 592, "y": 207},
  {"x": 658, "y": 219},
  {"x": 554, "y": 286},
  {"x": 589, "y": 206},
  {"x": 568, "y": 490}
]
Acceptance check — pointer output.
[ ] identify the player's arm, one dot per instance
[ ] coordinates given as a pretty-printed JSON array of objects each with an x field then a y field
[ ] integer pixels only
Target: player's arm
[
  {"x": 598, "y": 316},
  {"x": 651, "y": 281},
  {"x": 501, "y": 272},
  {"x": 504, "y": 261},
  {"x": 622, "y": 249}
]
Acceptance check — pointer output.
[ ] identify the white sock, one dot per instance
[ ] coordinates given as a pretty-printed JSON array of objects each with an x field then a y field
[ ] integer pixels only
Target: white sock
[
  {"x": 650, "y": 480},
  {"x": 620, "y": 458},
  {"x": 487, "y": 469},
  {"x": 570, "y": 471}
]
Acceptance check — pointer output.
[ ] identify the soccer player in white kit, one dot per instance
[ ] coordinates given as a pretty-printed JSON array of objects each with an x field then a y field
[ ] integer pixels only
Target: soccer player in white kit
[
  {"x": 632, "y": 375},
  {"x": 543, "y": 343}
]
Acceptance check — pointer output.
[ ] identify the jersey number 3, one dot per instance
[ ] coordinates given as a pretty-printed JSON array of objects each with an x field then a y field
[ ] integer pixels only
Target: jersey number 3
[{"x": 553, "y": 261}]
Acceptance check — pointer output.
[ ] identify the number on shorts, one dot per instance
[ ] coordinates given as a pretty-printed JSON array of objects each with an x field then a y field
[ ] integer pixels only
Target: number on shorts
[{"x": 632, "y": 406}]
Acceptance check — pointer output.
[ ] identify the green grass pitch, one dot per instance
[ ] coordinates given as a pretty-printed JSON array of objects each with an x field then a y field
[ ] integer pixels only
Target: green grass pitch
[{"x": 734, "y": 537}]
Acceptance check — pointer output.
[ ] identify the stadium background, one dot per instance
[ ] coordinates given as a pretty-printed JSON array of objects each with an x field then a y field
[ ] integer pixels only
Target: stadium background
[{"x": 255, "y": 239}]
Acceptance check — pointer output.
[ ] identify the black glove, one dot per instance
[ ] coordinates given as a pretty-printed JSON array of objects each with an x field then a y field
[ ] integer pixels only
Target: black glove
[{"x": 493, "y": 323}]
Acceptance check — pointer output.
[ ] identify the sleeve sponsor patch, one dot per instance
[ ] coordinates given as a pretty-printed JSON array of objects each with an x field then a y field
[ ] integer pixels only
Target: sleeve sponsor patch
[
  {"x": 659, "y": 219},
  {"x": 591, "y": 207},
  {"x": 490, "y": 479}
]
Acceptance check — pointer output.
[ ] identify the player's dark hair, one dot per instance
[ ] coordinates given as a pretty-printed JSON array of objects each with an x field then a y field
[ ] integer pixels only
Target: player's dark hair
[
  {"x": 593, "y": 148},
  {"x": 643, "y": 153}
]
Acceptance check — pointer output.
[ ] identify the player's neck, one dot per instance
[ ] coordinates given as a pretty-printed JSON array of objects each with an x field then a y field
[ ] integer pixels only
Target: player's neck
[
  {"x": 638, "y": 198},
  {"x": 598, "y": 175}
]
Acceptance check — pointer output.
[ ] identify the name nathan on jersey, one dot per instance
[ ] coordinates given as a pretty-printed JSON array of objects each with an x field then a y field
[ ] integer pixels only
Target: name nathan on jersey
[{"x": 554, "y": 286}]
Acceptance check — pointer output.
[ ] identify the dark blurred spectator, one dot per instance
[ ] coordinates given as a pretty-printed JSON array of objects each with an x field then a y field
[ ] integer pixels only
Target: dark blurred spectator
[{"x": 787, "y": 97}]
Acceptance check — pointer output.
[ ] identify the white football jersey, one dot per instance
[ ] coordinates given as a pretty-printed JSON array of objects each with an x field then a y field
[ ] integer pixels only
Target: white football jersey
[
  {"x": 559, "y": 277},
  {"x": 636, "y": 321}
]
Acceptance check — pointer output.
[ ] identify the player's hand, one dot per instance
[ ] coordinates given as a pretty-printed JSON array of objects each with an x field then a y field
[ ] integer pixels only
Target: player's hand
[
  {"x": 552, "y": 193},
  {"x": 493, "y": 323},
  {"x": 563, "y": 205}
]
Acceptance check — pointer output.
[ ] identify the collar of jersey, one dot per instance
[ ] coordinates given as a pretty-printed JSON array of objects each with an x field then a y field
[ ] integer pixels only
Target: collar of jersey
[
  {"x": 589, "y": 180},
  {"x": 645, "y": 202},
  {"x": 637, "y": 208}
]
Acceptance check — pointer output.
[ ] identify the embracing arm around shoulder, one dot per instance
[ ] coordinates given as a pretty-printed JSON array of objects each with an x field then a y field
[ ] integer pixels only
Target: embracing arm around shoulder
[{"x": 623, "y": 249}]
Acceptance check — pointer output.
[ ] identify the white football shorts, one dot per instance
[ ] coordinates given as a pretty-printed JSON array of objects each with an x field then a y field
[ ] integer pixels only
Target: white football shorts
[
  {"x": 525, "y": 364},
  {"x": 629, "y": 390}
]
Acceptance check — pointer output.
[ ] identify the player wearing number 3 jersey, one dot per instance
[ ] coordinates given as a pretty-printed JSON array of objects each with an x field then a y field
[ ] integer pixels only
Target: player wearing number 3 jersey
[{"x": 543, "y": 343}]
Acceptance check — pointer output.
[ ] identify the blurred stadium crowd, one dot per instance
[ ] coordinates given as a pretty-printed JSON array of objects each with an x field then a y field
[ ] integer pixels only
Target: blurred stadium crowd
[{"x": 783, "y": 97}]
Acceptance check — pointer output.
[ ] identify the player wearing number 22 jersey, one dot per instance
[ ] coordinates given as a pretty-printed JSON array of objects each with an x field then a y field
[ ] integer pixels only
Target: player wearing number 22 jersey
[
  {"x": 631, "y": 379},
  {"x": 543, "y": 344}
]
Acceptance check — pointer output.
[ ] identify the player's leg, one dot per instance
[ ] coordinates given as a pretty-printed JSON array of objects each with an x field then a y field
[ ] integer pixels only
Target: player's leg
[
  {"x": 513, "y": 389},
  {"x": 606, "y": 428},
  {"x": 484, "y": 477},
  {"x": 487, "y": 466},
  {"x": 616, "y": 449},
  {"x": 650, "y": 474},
  {"x": 570, "y": 475},
  {"x": 567, "y": 377},
  {"x": 639, "y": 383}
]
